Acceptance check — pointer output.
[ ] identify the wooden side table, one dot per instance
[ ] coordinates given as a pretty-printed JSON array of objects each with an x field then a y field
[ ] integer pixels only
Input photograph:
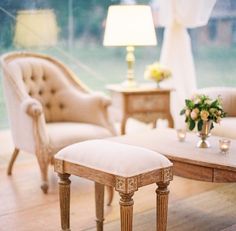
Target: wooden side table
[{"x": 146, "y": 104}]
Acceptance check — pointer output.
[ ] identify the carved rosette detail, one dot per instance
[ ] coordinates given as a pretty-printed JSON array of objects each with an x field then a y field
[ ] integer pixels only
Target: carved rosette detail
[
  {"x": 120, "y": 184},
  {"x": 126, "y": 185},
  {"x": 58, "y": 165},
  {"x": 167, "y": 174},
  {"x": 132, "y": 184}
]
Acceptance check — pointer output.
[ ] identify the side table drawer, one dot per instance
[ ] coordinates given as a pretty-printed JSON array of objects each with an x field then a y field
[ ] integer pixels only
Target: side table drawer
[{"x": 149, "y": 102}]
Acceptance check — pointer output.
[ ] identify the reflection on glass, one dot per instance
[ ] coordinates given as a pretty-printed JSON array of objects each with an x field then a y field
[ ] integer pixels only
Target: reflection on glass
[
  {"x": 181, "y": 134},
  {"x": 224, "y": 145}
]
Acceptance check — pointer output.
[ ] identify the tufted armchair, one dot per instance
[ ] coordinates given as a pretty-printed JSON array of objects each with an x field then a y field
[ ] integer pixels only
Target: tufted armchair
[
  {"x": 227, "y": 127},
  {"x": 49, "y": 108}
]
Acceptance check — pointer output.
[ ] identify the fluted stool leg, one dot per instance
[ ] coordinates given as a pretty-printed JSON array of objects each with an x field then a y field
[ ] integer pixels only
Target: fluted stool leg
[
  {"x": 64, "y": 194},
  {"x": 126, "y": 211},
  {"x": 99, "y": 200},
  {"x": 162, "y": 205}
]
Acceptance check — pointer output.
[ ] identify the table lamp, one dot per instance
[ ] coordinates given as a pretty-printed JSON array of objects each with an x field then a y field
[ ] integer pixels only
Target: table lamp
[
  {"x": 130, "y": 26},
  {"x": 35, "y": 28}
]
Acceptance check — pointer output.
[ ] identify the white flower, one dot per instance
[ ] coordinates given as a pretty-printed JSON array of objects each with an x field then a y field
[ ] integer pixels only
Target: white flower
[
  {"x": 208, "y": 101},
  {"x": 187, "y": 113},
  {"x": 212, "y": 110},
  {"x": 194, "y": 115},
  {"x": 196, "y": 101}
]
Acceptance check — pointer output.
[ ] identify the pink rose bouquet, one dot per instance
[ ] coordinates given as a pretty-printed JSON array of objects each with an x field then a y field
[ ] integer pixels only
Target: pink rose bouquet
[{"x": 200, "y": 109}]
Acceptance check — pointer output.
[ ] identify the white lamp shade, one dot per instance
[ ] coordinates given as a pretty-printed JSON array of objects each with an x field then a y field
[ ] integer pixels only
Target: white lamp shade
[
  {"x": 129, "y": 25},
  {"x": 35, "y": 28}
]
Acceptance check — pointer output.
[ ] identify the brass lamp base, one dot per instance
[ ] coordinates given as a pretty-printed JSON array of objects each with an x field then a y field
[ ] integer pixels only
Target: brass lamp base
[
  {"x": 130, "y": 59},
  {"x": 129, "y": 83}
]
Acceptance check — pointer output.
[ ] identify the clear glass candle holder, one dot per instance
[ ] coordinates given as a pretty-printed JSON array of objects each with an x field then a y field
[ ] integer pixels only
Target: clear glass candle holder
[
  {"x": 224, "y": 145},
  {"x": 181, "y": 134}
]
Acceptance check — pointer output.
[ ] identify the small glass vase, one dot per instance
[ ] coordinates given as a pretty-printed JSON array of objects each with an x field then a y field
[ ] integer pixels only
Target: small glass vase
[
  {"x": 204, "y": 134},
  {"x": 158, "y": 84}
]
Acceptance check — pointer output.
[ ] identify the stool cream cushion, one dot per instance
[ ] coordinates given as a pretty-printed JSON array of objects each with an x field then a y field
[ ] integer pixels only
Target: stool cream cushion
[{"x": 114, "y": 158}]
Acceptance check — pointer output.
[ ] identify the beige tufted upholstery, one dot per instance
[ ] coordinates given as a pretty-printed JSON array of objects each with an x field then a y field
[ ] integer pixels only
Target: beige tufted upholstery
[
  {"x": 227, "y": 127},
  {"x": 49, "y": 108}
]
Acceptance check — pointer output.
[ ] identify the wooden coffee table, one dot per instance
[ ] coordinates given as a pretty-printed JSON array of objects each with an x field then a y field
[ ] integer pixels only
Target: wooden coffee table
[{"x": 189, "y": 161}]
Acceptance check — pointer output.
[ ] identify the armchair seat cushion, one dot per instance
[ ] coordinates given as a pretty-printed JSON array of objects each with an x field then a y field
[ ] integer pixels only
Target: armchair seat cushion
[
  {"x": 226, "y": 128},
  {"x": 65, "y": 133}
]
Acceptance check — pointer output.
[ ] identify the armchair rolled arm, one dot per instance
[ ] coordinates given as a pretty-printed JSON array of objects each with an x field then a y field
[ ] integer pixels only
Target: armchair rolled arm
[
  {"x": 105, "y": 119},
  {"x": 84, "y": 107},
  {"x": 32, "y": 107},
  {"x": 26, "y": 115},
  {"x": 104, "y": 99}
]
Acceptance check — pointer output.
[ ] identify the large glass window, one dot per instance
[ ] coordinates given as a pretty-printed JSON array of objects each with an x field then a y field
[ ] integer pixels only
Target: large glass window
[
  {"x": 215, "y": 50},
  {"x": 79, "y": 43}
]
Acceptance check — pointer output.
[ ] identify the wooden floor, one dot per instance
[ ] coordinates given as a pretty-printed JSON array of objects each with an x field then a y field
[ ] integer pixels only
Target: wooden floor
[{"x": 23, "y": 207}]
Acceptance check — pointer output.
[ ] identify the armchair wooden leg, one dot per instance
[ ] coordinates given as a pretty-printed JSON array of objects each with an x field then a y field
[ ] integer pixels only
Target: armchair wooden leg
[
  {"x": 99, "y": 200},
  {"x": 162, "y": 205},
  {"x": 44, "y": 174},
  {"x": 11, "y": 163},
  {"x": 110, "y": 192},
  {"x": 64, "y": 194},
  {"x": 43, "y": 165},
  {"x": 126, "y": 211},
  {"x": 52, "y": 160},
  {"x": 44, "y": 187}
]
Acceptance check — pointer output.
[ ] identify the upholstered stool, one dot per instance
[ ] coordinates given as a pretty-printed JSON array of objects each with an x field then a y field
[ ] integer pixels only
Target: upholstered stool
[{"x": 124, "y": 167}]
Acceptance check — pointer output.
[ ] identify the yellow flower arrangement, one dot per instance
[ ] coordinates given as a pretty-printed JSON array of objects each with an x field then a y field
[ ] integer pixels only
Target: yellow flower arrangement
[{"x": 156, "y": 72}]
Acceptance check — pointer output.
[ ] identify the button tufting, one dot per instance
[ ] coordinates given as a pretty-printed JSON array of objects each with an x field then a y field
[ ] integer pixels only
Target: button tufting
[
  {"x": 40, "y": 92},
  {"x": 44, "y": 78},
  {"x": 61, "y": 105},
  {"x": 32, "y": 78},
  {"x": 53, "y": 91},
  {"x": 30, "y": 93},
  {"x": 48, "y": 105}
]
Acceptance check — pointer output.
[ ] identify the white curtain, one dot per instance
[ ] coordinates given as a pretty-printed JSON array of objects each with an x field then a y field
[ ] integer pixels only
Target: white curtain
[{"x": 176, "y": 54}]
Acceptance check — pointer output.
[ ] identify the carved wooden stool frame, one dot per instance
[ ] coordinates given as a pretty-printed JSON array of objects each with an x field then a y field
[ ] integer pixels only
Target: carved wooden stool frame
[{"x": 126, "y": 186}]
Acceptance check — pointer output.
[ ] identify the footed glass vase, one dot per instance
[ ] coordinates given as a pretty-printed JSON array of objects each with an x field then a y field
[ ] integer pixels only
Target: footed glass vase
[{"x": 204, "y": 134}]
